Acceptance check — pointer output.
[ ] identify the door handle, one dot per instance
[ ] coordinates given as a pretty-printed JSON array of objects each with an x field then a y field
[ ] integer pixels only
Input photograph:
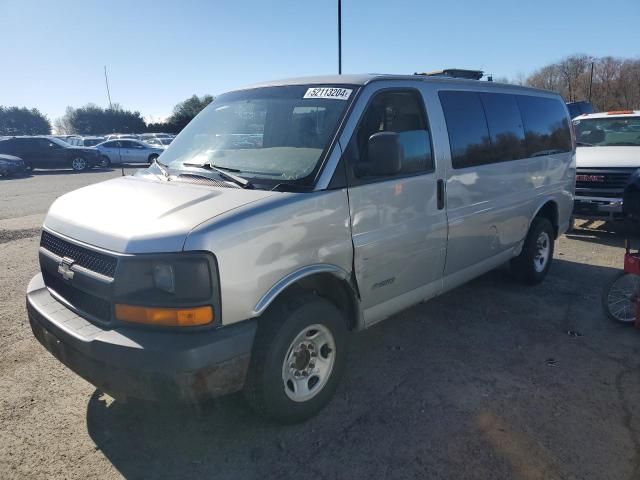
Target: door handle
[{"x": 440, "y": 189}]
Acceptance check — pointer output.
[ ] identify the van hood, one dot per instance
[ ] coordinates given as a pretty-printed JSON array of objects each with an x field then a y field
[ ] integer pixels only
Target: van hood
[
  {"x": 590, "y": 157},
  {"x": 140, "y": 214}
]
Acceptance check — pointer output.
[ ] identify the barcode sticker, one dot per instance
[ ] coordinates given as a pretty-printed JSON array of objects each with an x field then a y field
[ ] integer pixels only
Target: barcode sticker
[{"x": 331, "y": 93}]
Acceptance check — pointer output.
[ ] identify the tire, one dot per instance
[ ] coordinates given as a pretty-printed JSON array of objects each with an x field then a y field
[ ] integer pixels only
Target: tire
[
  {"x": 533, "y": 263},
  {"x": 618, "y": 297},
  {"x": 152, "y": 158},
  {"x": 279, "y": 358},
  {"x": 79, "y": 164},
  {"x": 104, "y": 162}
]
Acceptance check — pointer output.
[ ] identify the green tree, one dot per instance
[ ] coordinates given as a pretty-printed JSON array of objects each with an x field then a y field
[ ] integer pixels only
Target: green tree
[
  {"x": 94, "y": 120},
  {"x": 184, "y": 112},
  {"x": 22, "y": 121}
]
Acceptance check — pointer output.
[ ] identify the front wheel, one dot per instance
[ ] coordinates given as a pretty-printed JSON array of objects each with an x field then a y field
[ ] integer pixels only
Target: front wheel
[
  {"x": 533, "y": 263},
  {"x": 298, "y": 358},
  {"x": 79, "y": 164},
  {"x": 104, "y": 162},
  {"x": 619, "y": 297},
  {"x": 152, "y": 158}
]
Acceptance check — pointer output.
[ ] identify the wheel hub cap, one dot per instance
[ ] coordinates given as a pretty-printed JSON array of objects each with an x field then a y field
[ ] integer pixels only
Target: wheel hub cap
[
  {"x": 308, "y": 363},
  {"x": 543, "y": 248}
]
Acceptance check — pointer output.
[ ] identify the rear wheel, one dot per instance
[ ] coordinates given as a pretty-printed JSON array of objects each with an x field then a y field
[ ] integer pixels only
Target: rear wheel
[
  {"x": 533, "y": 263},
  {"x": 298, "y": 358},
  {"x": 619, "y": 297},
  {"x": 152, "y": 158},
  {"x": 79, "y": 164}
]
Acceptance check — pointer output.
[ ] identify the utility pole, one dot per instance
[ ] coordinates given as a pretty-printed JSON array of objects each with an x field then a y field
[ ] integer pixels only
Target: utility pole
[
  {"x": 106, "y": 80},
  {"x": 339, "y": 37}
]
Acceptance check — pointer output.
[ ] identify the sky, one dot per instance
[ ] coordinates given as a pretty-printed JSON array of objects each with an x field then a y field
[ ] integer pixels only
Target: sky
[{"x": 159, "y": 53}]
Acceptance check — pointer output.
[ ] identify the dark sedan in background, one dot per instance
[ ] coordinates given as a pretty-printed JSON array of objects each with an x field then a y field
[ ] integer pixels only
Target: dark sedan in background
[
  {"x": 50, "y": 152},
  {"x": 10, "y": 165}
]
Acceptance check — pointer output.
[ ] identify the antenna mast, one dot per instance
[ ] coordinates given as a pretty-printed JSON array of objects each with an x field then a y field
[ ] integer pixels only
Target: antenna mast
[{"x": 106, "y": 80}]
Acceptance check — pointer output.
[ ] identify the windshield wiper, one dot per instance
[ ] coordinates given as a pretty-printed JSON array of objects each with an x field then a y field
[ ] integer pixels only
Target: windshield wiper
[
  {"x": 584, "y": 144},
  {"x": 163, "y": 168},
  {"x": 243, "y": 182}
]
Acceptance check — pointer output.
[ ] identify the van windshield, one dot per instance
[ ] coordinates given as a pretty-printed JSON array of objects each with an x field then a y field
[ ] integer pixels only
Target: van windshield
[
  {"x": 608, "y": 132},
  {"x": 270, "y": 135}
]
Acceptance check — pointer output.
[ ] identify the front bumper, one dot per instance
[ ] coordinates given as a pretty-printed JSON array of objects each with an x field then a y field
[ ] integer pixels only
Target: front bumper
[
  {"x": 142, "y": 363},
  {"x": 11, "y": 169},
  {"x": 605, "y": 208}
]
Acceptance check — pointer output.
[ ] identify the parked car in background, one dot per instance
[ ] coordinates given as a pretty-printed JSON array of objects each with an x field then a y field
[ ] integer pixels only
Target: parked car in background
[
  {"x": 145, "y": 136},
  {"x": 76, "y": 141},
  {"x": 127, "y": 151},
  {"x": 92, "y": 141},
  {"x": 11, "y": 165},
  {"x": 159, "y": 142},
  {"x": 115, "y": 136},
  {"x": 579, "y": 108},
  {"x": 243, "y": 266},
  {"x": 608, "y": 153},
  {"x": 50, "y": 152}
]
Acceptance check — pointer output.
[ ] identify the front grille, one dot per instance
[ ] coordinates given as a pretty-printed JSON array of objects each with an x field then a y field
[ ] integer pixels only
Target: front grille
[
  {"x": 85, "y": 302},
  {"x": 612, "y": 185},
  {"x": 94, "y": 261}
]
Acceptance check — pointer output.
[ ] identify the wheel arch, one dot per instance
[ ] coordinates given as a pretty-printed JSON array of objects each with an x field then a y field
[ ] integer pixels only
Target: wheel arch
[
  {"x": 549, "y": 210},
  {"x": 325, "y": 280}
]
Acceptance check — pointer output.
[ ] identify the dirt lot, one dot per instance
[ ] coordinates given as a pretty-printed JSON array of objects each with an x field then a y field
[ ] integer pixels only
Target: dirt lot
[{"x": 484, "y": 382}]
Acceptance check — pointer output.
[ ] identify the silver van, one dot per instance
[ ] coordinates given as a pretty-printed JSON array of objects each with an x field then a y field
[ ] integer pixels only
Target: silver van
[{"x": 288, "y": 215}]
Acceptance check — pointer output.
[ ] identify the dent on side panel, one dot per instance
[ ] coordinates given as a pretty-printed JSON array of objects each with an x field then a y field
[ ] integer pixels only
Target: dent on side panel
[{"x": 258, "y": 245}]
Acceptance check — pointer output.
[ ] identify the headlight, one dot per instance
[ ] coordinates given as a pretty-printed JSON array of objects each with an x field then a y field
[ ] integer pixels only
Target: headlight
[{"x": 169, "y": 289}]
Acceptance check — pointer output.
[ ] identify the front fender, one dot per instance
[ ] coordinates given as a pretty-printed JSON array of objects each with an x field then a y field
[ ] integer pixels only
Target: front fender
[{"x": 294, "y": 277}]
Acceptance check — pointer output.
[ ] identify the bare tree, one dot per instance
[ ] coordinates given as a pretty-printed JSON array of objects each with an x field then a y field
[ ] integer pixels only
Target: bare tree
[{"x": 616, "y": 81}]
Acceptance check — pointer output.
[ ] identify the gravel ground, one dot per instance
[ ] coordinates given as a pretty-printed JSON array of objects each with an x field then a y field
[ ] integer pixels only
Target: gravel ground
[{"x": 490, "y": 381}]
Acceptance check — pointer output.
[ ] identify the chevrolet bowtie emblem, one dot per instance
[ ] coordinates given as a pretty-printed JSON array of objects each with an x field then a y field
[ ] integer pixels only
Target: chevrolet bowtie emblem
[{"x": 64, "y": 268}]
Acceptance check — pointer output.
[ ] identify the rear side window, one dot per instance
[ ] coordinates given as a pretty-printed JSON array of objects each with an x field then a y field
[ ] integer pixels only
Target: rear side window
[
  {"x": 505, "y": 126},
  {"x": 495, "y": 127},
  {"x": 546, "y": 125},
  {"x": 467, "y": 127}
]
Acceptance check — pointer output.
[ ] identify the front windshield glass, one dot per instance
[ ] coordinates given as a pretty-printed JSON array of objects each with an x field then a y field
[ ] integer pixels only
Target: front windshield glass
[
  {"x": 607, "y": 132},
  {"x": 271, "y": 135}
]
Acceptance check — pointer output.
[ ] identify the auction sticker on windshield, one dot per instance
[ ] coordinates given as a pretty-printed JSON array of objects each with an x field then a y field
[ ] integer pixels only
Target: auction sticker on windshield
[{"x": 328, "y": 92}]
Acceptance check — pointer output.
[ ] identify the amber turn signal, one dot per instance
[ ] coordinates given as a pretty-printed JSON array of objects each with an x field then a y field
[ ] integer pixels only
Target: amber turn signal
[{"x": 172, "y": 317}]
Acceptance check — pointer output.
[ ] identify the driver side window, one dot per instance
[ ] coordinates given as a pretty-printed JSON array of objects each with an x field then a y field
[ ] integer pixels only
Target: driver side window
[{"x": 401, "y": 112}]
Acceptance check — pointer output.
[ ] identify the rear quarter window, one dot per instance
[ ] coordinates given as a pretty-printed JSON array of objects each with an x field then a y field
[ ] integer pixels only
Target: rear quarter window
[{"x": 546, "y": 125}]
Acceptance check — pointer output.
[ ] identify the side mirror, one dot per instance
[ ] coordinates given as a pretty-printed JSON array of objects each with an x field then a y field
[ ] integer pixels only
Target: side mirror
[{"x": 384, "y": 155}]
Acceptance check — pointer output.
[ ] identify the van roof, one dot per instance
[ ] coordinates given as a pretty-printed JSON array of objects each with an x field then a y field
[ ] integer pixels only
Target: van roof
[{"x": 364, "y": 79}]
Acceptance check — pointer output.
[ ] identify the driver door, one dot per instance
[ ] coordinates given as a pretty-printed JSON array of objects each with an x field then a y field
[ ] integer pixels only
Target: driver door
[{"x": 399, "y": 224}]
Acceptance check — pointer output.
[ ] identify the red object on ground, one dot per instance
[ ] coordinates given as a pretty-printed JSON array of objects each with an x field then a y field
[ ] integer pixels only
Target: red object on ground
[{"x": 632, "y": 263}]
